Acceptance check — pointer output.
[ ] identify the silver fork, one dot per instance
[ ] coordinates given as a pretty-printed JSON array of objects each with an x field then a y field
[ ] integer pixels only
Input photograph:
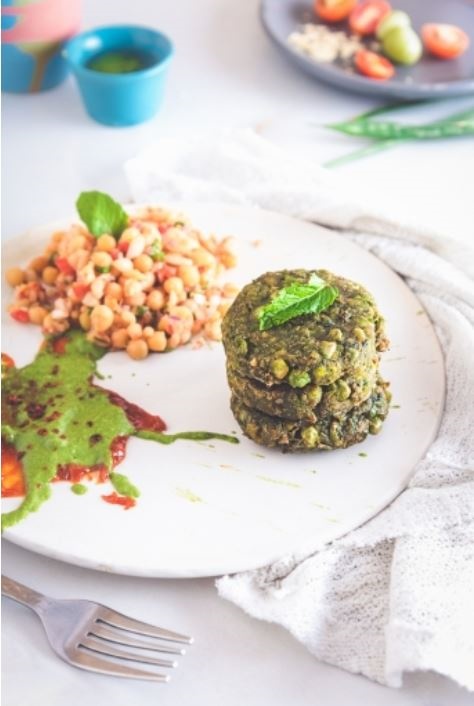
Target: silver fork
[{"x": 84, "y": 634}]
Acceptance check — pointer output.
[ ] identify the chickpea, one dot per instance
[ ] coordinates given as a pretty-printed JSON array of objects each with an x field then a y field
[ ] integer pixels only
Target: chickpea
[
  {"x": 148, "y": 331},
  {"x": 77, "y": 242},
  {"x": 37, "y": 314},
  {"x": 50, "y": 274},
  {"x": 174, "y": 340},
  {"x": 202, "y": 258},
  {"x": 14, "y": 276},
  {"x": 85, "y": 320},
  {"x": 119, "y": 338},
  {"x": 111, "y": 302},
  {"x": 106, "y": 243},
  {"x": 101, "y": 259},
  {"x": 128, "y": 318},
  {"x": 102, "y": 318},
  {"x": 131, "y": 289},
  {"x": 129, "y": 234},
  {"x": 173, "y": 284},
  {"x": 135, "y": 331},
  {"x": 137, "y": 349},
  {"x": 143, "y": 263},
  {"x": 213, "y": 330},
  {"x": 157, "y": 342},
  {"x": 123, "y": 265},
  {"x": 182, "y": 313},
  {"x": 113, "y": 289},
  {"x": 189, "y": 274},
  {"x": 51, "y": 325},
  {"x": 228, "y": 259},
  {"x": 39, "y": 263},
  {"x": 155, "y": 300}
]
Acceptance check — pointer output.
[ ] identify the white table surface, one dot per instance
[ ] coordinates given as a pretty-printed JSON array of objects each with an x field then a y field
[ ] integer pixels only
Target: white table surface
[{"x": 225, "y": 74}]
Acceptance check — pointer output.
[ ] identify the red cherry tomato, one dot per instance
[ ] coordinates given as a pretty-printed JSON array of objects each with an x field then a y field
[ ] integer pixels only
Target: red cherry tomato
[
  {"x": 444, "y": 41},
  {"x": 365, "y": 17},
  {"x": 373, "y": 65},
  {"x": 333, "y": 10}
]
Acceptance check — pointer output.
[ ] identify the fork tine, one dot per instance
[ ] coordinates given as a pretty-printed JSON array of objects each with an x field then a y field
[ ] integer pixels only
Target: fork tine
[
  {"x": 118, "y": 620},
  {"x": 98, "y": 646},
  {"x": 94, "y": 663},
  {"x": 121, "y": 638}
]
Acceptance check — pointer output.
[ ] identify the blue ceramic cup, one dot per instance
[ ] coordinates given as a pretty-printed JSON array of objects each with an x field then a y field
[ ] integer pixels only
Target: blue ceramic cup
[{"x": 120, "y": 99}]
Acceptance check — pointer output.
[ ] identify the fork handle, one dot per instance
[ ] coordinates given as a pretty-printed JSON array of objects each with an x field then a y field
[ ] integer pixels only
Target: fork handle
[{"x": 20, "y": 593}]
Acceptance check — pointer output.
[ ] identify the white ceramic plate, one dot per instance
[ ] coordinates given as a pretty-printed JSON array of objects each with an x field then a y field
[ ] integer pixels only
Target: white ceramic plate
[{"x": 209, "y": 508}]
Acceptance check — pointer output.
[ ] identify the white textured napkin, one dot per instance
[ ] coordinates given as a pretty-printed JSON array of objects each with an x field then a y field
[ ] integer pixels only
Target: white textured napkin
[{"x": 397, "y": 594}]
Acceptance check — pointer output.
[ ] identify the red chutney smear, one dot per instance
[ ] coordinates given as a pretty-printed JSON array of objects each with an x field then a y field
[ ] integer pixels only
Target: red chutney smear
[
  {"x": 123, "y": 500},
  {"x": 138, "y": 417},
  {"x": 13, "y": 482}
]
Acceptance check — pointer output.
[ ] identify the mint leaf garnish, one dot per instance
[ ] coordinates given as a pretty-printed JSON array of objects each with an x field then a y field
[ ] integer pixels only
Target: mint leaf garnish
[
  {"x": 295, "y": 300},
  {"x": 101, "y": 213}
]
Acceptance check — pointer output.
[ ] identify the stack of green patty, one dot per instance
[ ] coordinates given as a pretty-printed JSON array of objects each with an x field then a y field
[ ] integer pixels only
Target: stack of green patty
[{"x": 312, "y": 382}]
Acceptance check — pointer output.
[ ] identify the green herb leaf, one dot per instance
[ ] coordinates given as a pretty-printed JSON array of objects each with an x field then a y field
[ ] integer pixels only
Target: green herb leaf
[
  {"x": 156, "y": 253},
  {"x": 295, "y": 300},
  {"x": 101, "y": 213}
]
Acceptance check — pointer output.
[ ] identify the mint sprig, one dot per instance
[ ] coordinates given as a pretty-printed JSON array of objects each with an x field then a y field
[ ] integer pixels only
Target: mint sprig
[
  {"x": 296, "y": 300},
  {"x": 101, "y": 213}
]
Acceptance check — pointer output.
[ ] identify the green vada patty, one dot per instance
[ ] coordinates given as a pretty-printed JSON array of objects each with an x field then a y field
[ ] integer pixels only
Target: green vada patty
[
  {"x": 315, "y": 348},
  {"x": 309, "y": 403},
  {"x": 327, "y": 432},
  {"x": 313, "y": 381}
]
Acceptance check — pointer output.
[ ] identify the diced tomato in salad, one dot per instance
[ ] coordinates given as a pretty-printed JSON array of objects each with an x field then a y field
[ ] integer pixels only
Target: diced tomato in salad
[
  {"x": 20, "y": 315},
  {"x": 63, "y": 266}
]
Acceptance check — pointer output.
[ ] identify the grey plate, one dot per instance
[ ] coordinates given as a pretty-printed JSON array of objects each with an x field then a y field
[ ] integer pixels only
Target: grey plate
[{"x": 430, "y": 78}]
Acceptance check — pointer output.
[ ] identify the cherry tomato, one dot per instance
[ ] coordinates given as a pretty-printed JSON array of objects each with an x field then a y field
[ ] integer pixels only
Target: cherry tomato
[
  {"x": 373, "y": 65},
  {"x": 334, "y": 10},
  {"x": 365, "y": 17},
  {"x": 444, "y": 41}
]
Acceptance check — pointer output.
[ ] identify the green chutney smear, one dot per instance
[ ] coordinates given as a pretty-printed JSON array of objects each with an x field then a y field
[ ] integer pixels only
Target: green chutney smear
[{"x": 63, "y": 426}]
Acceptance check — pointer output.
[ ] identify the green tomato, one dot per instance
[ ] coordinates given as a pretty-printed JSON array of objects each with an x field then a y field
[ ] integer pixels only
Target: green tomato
[
  {"x": 402, "y": 45},
  {"x": 394, "y": 19}
]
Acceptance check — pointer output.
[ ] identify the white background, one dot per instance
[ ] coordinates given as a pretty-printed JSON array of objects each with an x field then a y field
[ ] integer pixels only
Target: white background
[{"x": 225, "y": 74}]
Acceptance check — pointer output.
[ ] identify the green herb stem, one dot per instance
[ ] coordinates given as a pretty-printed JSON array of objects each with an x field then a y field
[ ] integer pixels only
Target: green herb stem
[{"x": 388, "y": 130}]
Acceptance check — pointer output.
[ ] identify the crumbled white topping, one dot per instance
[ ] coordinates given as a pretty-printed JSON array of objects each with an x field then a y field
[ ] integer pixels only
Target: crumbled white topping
[{"x": 324, "y": 44}]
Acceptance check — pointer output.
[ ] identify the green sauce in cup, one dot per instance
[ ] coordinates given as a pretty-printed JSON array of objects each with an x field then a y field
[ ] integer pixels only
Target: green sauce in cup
[{"x": 124, "y": 61}]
